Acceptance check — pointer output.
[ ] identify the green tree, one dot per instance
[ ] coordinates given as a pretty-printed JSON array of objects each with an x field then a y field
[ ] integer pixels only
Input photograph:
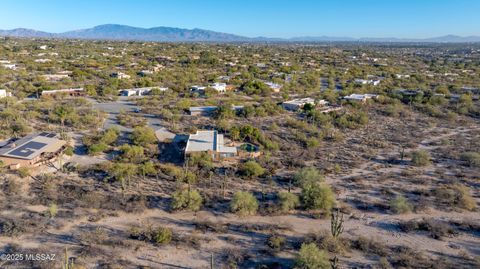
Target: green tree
[
  {"x": 62, "y": 112},
  {"x": 400, "y": 205},
  {"x": 307, "y": 175},
  {"x": 143, "y": 136},
  {"x": 162, "y": 235},
  {"x": 318, "y": 196},
  {"x": 288, "y": 201},
  {"x": 251, "y": 169},
  {"x": 110, "y": 136},
  {"x": 134, "y": 154},
  {"x": 147, "y": 169},
  {"x": 244, "y": 204},
  {"x": 201, "y": 160},
  {"x": 95, "y": 149},
  {"x": 311, "y": 257},
  {"x": 123, "y": 172},
  {"x": 186, "y": 199}
]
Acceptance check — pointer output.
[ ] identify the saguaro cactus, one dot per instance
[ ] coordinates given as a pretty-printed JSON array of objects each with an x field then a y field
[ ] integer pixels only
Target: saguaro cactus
[
  {"x": 68, "y": 263},
  {"x": 336, "y": 224}
]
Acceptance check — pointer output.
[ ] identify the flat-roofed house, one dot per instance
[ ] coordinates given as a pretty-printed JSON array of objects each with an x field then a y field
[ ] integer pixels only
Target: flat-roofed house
[
  {"x": 32, "y": 150},
  {"x": 210, "y": 142},
  {"x": 208, "y": 110},
  {"x": 202, "y": 110},
  {"x": 10, "y": 66},
  {"x": 373, "y": 82},
  {"x": 69, "y": 92},
  {"x": 119, "y": 75},
  {"x": 274, "y": 86},
  {"x": 4, "y": 93},
  {"x": 360, "y": 97},
  {"x": 138, "y": 91},
  {"x": 220, "y": 87},
  {"x": 198, "y": 89},
  {"x": 55, "y": 77},
  {"x": 297, "y": 104}
]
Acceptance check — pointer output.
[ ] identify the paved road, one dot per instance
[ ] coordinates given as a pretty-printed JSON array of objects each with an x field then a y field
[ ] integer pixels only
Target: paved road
[{"x": 114, "y": 108}]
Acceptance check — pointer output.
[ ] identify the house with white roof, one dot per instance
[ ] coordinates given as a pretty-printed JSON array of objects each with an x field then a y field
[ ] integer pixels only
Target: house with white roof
[
  {"x": 120, "y": 75},
  {"x": 10, "y": 66},
  {"x": 400, "y": 76},
  {"x": 198, "y": 89},
  {"x": 210, "y": 142},
  {"x": 220, "y": 87},
  {"x": 42, "y": 60},
  {"x": 360, "y": 97},
  {"x": 274, "y": 86},
  {"x": 69, "y": 92},
  {"x": 140, "y": 91},
  {"x": 4, "y": 93},
  {"x": 373, "y": 82},
  {"x": 55, "y": 77},
  {"x": 297, "y": 104}
]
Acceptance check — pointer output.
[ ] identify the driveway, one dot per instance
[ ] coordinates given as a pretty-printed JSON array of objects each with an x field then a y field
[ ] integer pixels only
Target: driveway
[{"x": 125, "y": 104}]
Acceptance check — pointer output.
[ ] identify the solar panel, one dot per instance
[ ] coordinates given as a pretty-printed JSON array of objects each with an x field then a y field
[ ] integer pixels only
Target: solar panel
[
  {"x": 27, "y": 149},
  {"x": 51, "y": 135},
  {"x": 43, "y": 134}
]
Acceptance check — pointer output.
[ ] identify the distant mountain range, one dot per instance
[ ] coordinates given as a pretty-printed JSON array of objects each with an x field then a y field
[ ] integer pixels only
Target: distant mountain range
[{"x": 171, "y": 34}]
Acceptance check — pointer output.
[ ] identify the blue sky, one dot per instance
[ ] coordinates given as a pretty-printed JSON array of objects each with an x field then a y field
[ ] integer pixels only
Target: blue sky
[{"x": 272, "y": 18}]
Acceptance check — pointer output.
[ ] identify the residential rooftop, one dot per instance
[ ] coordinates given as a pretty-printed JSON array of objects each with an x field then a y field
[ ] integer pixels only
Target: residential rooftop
[
  {"x": 31, "y": 146},
  {"x": 208, "y": 141}
]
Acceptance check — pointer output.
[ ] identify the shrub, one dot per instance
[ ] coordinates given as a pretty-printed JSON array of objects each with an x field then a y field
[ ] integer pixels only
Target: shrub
[
  {"x": 201, "y": 160},
  {"x": 12, "y": 186},
  {"x": 172, "y": 170},
  {"x": 159, "y": 235},
  {"x": 244, "y": 204},
  {"x": 276, "y": 242},
  {"x": 420, "y": 158},
  {"x": 251, "y": 169},
  {"x": 52, "y": 210},
  {"x": 456, "y": 195},
  {"x": 370, "y": 246},
  {"x": 185, "y": 199},
  {"x": 95, "y": 149},
  {"x": 311, "y": 257},
  {"x": 464, "y": 199},
  {"x": 307, "y": 175},
  {"x": 69, "y": 151},
  {"x": 400, "y": 205},
  {"x": 162, "y": 235},
  {"x": 23, "y": 172},
  {"x": 318, "y": 196},
  {"x": 143, "y": 136},
  {"x": 110, "y": 136},
  {"x": 393, "y": 110},
  {"x": 437, "y": 228},
  {"x": 324, "y": 240},
  {"x": 288, "y": 201},
  {"x": 134, "y": 154},
  {"x": 471, "y": 158}
]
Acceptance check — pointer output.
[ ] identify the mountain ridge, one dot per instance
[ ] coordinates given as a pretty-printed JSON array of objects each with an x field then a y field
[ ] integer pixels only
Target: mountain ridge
[{"x": 174, "y": 34}]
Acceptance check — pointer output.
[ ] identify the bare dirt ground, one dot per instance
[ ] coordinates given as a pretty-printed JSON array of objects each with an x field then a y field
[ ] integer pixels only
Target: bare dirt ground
[{"x": 100, "y": 237}]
